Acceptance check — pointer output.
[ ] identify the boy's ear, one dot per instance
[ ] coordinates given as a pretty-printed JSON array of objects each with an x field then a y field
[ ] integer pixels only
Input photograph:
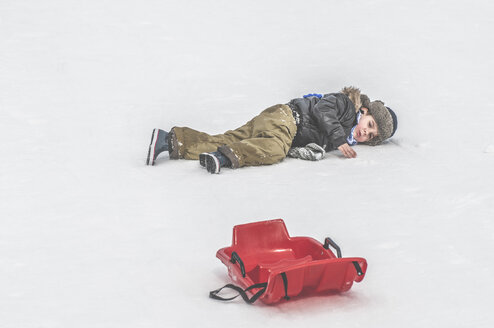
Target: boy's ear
[{"x": 364, "y": 110}]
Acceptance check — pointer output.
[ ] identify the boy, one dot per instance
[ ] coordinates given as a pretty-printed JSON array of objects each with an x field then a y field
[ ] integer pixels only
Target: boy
[{"x": 311, "y": 125}]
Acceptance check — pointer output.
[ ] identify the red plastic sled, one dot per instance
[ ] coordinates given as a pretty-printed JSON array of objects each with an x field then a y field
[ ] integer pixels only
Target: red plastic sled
[{"x": 270, "y": 265}]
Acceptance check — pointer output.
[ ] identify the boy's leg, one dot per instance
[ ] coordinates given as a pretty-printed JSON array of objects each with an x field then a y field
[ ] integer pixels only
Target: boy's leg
[
  {"x": 265, "y": 139},
  {"x": 188, "y": 143},
  {"x": 272, "y": 134}
]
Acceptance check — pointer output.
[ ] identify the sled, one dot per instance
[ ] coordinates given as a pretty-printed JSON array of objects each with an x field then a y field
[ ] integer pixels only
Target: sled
[{"x": 270, "y": 265}]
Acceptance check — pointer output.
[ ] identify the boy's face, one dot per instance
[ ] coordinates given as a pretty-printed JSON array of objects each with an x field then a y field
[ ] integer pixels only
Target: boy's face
[{"x": 366, "y": 128}]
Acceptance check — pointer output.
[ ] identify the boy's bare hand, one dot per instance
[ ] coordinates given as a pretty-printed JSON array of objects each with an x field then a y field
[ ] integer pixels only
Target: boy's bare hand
[{"x": 347, "y": 151}]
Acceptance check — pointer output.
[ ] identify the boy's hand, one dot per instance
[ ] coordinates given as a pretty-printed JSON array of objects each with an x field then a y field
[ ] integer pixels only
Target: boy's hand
[{"x": 347, "y": 151}]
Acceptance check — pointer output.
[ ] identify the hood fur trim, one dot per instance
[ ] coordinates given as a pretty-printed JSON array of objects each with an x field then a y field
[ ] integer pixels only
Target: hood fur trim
[{"x": 354, "y": 94}]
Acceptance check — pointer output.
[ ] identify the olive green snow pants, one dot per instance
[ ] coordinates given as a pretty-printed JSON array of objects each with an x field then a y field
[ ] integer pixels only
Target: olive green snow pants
[{"x": 263, "y": 140}]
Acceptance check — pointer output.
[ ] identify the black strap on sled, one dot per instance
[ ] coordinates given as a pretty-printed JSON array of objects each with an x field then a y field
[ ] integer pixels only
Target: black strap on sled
[
  {"x": 285, "y": 282},
  {"x": 242, "y": 292},
  {"x": 235, "y": 258},
  {"x": 357, "y": 267}
]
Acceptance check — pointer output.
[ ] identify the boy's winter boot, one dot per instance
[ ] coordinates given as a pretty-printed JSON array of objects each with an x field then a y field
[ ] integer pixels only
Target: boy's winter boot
[
  {"x": 159, "y": 144},
  {"x": 213, "y": 161}
]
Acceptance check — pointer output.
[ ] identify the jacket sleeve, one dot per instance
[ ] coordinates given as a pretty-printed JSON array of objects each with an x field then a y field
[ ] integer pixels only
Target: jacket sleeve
[{"x": 326, "y": 113}]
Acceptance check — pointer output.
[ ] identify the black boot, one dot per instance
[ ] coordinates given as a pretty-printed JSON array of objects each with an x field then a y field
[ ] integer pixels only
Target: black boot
[
  {"x": 213, "y": 161},
  {"x": 159, "y": 144}
]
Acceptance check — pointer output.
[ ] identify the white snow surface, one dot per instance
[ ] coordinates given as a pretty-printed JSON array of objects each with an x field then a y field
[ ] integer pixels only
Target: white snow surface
[{"x": 91, "y": 237}]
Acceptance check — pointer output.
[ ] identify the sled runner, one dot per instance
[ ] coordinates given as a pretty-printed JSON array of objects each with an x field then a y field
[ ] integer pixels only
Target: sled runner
[{"x": 269, "y": 264}]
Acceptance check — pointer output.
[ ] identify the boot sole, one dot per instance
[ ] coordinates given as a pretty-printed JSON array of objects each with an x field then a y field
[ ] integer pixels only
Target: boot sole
[
  {"x": 202, "y": 159},
  {"x": 212, "y": 164},
  {"x": 152, "y": 147}
]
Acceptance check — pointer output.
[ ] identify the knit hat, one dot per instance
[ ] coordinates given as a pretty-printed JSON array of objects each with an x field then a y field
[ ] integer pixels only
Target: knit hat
[{"x": 386, "y": 120}]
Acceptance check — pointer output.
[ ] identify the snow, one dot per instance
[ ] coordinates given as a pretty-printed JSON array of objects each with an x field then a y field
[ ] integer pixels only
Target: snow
[{"x": 91, "y": 237}]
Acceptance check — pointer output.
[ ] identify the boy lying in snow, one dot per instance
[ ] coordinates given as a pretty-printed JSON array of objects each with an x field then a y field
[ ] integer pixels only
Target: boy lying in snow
[{"x": 304, "y": 128}]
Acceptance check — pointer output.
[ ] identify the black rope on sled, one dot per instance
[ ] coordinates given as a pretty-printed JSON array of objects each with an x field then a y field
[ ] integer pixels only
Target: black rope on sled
[
  {"x": 242, "y": 292},
  {"x": 285, "y": 282}
]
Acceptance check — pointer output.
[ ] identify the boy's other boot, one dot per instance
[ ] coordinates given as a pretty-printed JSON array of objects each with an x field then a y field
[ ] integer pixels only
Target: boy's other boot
[
  {"x": 159, "y": 144},
  {"x": 213, "y": 161}
]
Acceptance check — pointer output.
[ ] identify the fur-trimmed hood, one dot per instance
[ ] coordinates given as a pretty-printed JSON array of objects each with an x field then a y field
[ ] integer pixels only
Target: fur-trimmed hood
[{"x": 356, "y": 97}]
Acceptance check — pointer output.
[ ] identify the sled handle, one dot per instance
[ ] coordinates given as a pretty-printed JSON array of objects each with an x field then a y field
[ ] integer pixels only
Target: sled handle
[
  {"x": 235, "y": 259},
  {"x": 328, "y": 241}
]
